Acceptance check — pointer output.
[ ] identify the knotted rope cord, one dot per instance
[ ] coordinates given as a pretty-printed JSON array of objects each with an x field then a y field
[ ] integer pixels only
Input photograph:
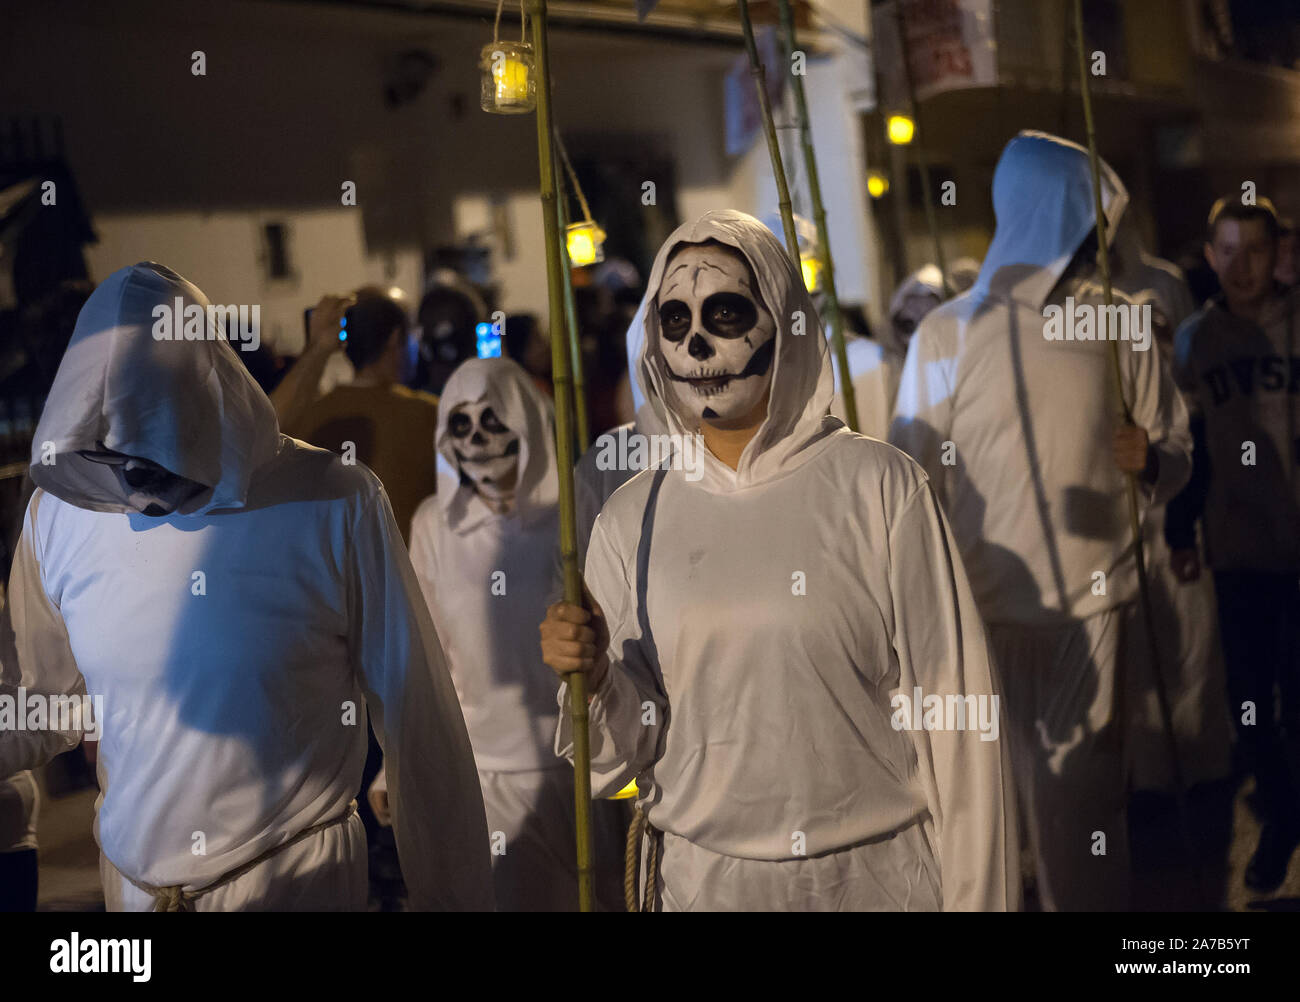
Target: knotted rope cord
[
  {"x": 632, "y": 857},
  {"x": 496, "y": 25},
  {"x": 174, "y": 897}
]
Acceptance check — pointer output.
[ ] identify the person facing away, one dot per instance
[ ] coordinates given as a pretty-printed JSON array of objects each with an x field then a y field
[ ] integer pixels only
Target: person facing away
[
  {"x": 1237, "y": 360},
  {"x": 758, "y": 636},
  {"x": 483, "y": 549},
  {"x": 1008, "y": 401},
  {"x": 374, "y": 419},
  {"x": 238, "y": 599}
]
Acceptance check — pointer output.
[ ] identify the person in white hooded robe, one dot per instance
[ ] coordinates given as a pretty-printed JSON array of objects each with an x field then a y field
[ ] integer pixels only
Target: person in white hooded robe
[
  {"x": 872, "y": 369},
  {"x": 751, "y": 627},
  {"x": 1019, "y": 433},
  {"x": 233, "y": 595},
  {"x": 1186, "y": 612},
  {"x": 483, "y": 551}
]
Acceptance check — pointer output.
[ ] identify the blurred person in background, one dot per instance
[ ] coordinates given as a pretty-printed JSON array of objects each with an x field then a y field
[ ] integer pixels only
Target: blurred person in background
[
  {"x": 373, "y": 420},
  {"x": 483, "y": 549},
  {"x": 448, "y": 317},
  {"x": 1236, "y": 359}
]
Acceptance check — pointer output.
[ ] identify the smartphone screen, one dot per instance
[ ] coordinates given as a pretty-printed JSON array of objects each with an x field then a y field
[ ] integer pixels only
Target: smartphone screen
[
  {"x": 306, "y": 325},
  {"x": 488, "y": 341}
]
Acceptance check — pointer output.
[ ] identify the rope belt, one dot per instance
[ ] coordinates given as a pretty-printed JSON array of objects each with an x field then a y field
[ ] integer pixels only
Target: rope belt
[
  {"x": 174, "y": 898},
  {"x": 632, "y": 859}
]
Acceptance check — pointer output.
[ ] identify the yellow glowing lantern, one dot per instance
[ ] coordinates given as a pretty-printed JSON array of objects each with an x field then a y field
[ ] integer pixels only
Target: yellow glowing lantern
[
  {"x": 812, "y": 272},
  {"x": 585, "y": 242},
  {"x": 901, "y": 129},
  {"x": 877, "y": 184},
  {"x": 509, "y": 85},
  {"x": 627, "y": 793}
]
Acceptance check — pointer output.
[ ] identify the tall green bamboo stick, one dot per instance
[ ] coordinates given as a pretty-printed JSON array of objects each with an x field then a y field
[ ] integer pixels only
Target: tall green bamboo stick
[
  {"x": 570, "y": 307},
  {"x": 562, "y": 381},
  {"x": 1135, "y": 520},
  {"x": 819, "y": 217},
  {"x": 769, "y": 129},
  {"x": 931, "y": 220}
]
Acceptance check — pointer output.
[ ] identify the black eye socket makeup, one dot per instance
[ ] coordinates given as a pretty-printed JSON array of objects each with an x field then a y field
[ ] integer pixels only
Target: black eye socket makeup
[
  {"x": 492, "y": 423},
  {"x": 459, "y": 425},
  {"x": 675, "y": 319},
  {"x": 729, "y": 314}
]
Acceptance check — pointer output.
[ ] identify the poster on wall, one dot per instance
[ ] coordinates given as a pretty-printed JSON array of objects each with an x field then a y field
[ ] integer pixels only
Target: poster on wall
[{"x": 950, "y": 44}]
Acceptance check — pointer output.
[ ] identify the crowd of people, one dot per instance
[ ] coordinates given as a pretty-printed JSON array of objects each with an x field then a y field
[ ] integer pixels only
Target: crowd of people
[{"x": 898, "y": 668}]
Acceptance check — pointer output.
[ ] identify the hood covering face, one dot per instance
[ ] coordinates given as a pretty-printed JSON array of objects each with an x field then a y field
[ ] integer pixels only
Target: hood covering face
[
  {"x": 1042, "y": 197},
  {"x": 802, "y": 380},
  {"x": 189, "y": 407},
  {"x": 501, "y": 384}
]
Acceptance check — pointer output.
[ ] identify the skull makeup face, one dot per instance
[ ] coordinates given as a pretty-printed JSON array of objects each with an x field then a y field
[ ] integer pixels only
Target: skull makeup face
[
  {"x": 716, "y": 336},
  {"x": 149, "y": 488},
  {"x": 488, "y": 451}
]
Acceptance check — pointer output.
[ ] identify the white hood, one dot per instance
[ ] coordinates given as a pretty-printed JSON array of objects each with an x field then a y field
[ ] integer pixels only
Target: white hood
[
  {"x": 1042, "y": 196},
  {"x": 524, "y": 410},
  {"x": 189, "y": 406},
  {"x": 802, "y": 379}
]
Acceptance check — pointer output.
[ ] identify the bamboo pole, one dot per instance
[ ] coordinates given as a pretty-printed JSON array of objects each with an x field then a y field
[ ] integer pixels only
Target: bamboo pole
[
  {"x": 819, "y": 217},
  {"x": 570, "y": 307},
  {"x": 562, "y": 381},
  {"x": 1135, "y": 520},
  {"x": 931, "y": 221},
  {"x": 773, "y": 143}
]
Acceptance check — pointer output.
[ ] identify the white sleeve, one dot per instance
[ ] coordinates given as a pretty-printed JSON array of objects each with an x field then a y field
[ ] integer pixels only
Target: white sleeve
[
  {"x": 586, "y": 499},
  {"x": 628, "y": 713},
  {"x": 35, "y": 655},
  {"x": 1159, "y": 409},
  {"x": 922, "y": 419},
  {"x": 941, "y": 647},
  {"x": 437, "y": 806},
  {"x": 422, "y": 557}
]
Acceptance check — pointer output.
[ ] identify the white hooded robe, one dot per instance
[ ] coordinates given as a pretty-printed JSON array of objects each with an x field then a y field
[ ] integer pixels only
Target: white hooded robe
[
  {"x": 760, "y": 620},
  {"x": 237, "y": 641},
  {"x": 1015, "y": 431},
  {"x": 487, "y": 579}
]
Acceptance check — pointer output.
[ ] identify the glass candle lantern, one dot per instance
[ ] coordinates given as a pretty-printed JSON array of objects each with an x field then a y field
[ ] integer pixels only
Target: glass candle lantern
[
  {"x": 509, "y": 82},
  {"x": 811, "y": 267},
  {"x": 585, "y": 242},
  {"x": 900, "y": 129}
]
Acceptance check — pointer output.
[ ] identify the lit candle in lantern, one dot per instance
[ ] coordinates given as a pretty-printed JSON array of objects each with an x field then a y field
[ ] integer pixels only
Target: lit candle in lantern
[
  {"x": 627, "y": 793},
  {"x": 812, "y": 273},
  {"x": 508, "y": 84},
  {"x": 900, "y": 129},
  {"x": 585, "y": 243}
]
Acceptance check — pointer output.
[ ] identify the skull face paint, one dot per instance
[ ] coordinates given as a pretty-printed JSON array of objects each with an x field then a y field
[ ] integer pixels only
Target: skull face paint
[
  {"x": 716, "y": 336},
  {"x": 149, "y": 488},
  {"x": 487, "y": 450}
]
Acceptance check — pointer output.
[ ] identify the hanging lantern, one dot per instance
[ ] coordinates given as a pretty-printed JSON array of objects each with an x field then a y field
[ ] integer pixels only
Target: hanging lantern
[
  {"x": 811, "y": 266},
  {"x": 585, "y": 242},
  {"x": 900, "y": 129},
  {"x": 509, "y": 83},
  {"x": 877, "y": 184}
]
